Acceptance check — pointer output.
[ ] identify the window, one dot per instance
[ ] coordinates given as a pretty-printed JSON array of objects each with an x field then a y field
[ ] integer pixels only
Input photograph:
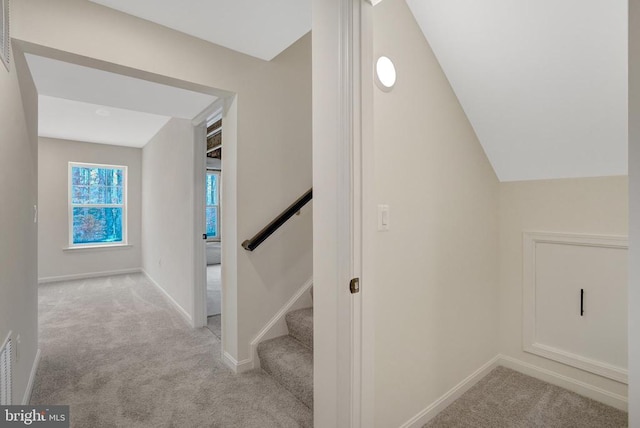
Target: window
[
  {"x": 97, "y": 204},
  {"x": 212, "y": 189}
]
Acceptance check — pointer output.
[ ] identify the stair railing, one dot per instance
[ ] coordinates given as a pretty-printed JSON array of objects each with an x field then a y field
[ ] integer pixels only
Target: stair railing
[{"x": 260, "y": 237}]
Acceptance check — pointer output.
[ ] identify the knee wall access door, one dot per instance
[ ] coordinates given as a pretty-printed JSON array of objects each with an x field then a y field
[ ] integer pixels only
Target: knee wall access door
[{"x": 575, "y": 301}]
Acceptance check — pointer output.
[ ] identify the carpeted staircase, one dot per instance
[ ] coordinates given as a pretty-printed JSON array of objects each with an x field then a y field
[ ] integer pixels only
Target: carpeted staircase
[{"x": 289, "y": 359}]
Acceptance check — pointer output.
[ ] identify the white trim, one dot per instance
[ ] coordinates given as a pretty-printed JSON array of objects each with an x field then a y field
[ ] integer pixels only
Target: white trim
[
  {"x": 365, "y": 202},
  {"x": 171, "y": 300},
  {"x": 98, "y": 247},
  {"x": 579, "y": 387},
  {"x": 452, "y": 395},
  {"x": 601, "y": 368},
  {"x": 213, "y": 110},
  {"x": 279, "y": 316},
  {"x": 337, "y": 132},
  {"x": 237, "y": 366},
  {"x": 88, "y": 275},
  {"x": 529, "y": 339},
  {"x": 32, "y": 377},
  {"x": 590, "y": 391}
]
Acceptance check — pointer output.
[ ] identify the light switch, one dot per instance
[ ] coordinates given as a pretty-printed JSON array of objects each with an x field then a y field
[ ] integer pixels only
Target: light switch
[{"x": 383, "y": 217}]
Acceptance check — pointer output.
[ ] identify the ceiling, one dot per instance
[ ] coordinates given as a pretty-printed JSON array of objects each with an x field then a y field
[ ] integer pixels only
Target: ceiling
[
  {"x": 258, "y": 28},
  {"x": 93, "y": 123},
  {"x": 71, "y": 94},
  {"x": 544, "y": 83}
]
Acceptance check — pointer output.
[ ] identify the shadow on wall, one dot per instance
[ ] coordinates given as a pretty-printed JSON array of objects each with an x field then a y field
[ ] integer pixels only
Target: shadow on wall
[{"x": 286, "y": 256}]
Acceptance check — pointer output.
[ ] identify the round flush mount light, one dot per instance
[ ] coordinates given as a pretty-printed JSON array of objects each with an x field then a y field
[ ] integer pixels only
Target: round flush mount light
[
  {"x": 103, "y": 112},
  {"x": 385, "y": 73}
]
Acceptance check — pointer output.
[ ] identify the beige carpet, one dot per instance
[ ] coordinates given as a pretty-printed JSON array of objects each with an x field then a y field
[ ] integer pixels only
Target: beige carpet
[
  {"x": 214, "y": 323},
  {"x": 508, "y": 399},
  {"x": 121, "y": 356}
]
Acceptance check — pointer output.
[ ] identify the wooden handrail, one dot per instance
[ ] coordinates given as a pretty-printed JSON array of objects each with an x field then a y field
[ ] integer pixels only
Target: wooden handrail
[{"x": 253, "y": 243}]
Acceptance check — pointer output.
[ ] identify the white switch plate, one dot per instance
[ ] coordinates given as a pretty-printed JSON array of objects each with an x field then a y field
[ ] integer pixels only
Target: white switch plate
[{"x": 383, "y": 217}]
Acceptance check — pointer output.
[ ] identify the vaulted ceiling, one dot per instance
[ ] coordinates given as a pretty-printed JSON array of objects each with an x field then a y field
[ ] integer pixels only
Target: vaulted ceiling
[
  {"x": 258, "y": 28},
  {"x": 544, "y": 82}
]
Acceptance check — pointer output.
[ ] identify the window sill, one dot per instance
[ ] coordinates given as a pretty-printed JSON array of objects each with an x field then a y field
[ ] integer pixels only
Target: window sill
[{"x": 98, "y": 247}]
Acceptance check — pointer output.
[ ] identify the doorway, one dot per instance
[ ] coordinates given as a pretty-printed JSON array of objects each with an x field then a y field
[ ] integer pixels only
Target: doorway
[{"x": 213, "y": 202}]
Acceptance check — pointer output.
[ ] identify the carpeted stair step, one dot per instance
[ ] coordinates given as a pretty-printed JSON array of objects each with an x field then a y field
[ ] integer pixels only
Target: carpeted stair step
[
  {"x": 300, "y": 325},
  {"x": 291, "y": 364}
]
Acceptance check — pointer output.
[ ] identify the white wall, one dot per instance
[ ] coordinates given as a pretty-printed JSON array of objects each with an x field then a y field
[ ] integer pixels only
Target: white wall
[
  {"x": 634, "y": 213},
  {"x": 18, "y": 231},
  {"x": 273, "y": 103},
  {"x": 53, "y": 229},
  {"x": 273, "y": 170},
  {"x": 436, "y": 312},
  {"x": 594, "y": 206},
  {"x": 167, "y": 207}
]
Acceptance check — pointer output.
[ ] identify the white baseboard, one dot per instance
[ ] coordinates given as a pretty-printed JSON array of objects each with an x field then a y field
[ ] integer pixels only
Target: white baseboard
[
  {"x": 32, "y": 377},
  {"x": 450, "y": 396},
  {"x": 171, "y": 300},
  {"x": 237, "y": 366},
  {"x": 595, "y": 393},
  {"x": 269, "y": 331},
  {"x": 579, "y": 387},
  {"x": 49, "y": 279}
]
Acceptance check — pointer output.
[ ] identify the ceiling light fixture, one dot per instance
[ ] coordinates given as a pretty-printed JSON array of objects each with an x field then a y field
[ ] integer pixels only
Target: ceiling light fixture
[
  {"x": 385, "y": 73},
  {"x": 103, "y": 112}
]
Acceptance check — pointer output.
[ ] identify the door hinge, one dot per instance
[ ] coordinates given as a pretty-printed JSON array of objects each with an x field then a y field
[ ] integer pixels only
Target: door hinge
[{"x": 354, "y": 285}]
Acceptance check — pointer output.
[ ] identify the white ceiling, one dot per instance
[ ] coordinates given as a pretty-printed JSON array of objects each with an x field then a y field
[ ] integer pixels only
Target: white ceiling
[
  {"x": 93, "y": 123},
  {"x": 259, "y": 28},
  {"x": 71, "y": 94},
  {"x": 74, "y": 82},
  {"x": 544, "y": 83}
]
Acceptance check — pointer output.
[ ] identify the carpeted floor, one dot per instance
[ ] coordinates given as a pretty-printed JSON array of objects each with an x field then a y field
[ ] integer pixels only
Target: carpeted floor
[
  {"x": 214, "y": 324},
  {"x": 508, "y": 399},
  {"x": 121, "y": 356}
]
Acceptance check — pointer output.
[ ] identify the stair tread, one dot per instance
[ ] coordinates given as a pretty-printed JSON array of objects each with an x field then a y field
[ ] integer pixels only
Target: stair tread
[
  {"x": 300, "y": 325},
  {"x": 291, "y": 364}
]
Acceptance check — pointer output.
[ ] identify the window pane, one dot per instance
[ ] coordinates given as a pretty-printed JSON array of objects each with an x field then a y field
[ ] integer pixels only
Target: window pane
[
  {"x": 212, "y": 222},
  {"x": 80, "y": 194},
  {"x": 212, "y": 189},
  {"x": 92, "y": 185},
  {"x": 93, "y": 225}
]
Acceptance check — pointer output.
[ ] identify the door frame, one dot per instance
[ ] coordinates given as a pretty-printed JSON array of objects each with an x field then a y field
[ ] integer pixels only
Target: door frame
[
  {"x": 634, "y": 212},
  {"x": 200, "y": 245},
  {"x": 342, "y": 212}
]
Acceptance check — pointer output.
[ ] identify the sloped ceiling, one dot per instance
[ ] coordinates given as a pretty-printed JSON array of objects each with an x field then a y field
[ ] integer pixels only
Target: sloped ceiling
[
  {"x": 544, "y": 82},
  {"x": 85, "y": 104},
  {"x": 258, "y": 28}
]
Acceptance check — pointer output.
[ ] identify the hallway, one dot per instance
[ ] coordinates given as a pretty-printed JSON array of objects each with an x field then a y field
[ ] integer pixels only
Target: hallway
[{"x": 119, "y": 354}]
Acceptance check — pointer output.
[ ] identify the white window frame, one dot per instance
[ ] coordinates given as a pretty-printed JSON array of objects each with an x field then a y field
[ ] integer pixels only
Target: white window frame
[
  {"x": 125, "y": 219},
  {"x": 218, "y": 181}
]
